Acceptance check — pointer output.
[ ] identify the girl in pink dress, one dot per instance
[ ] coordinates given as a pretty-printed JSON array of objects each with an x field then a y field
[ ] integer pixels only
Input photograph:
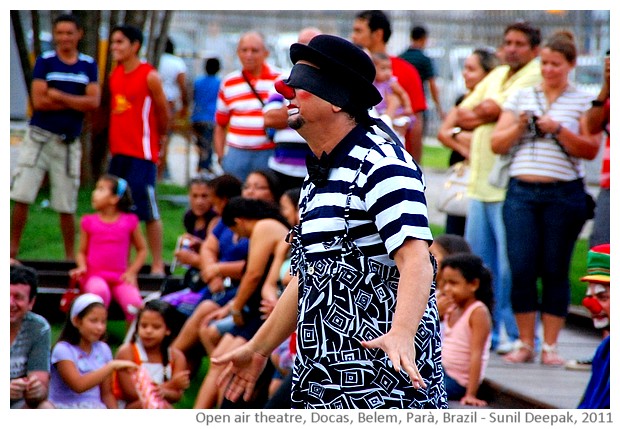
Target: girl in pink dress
[
  {"x": 467, "y": 326},
  {"x": 106, "y": 238}
]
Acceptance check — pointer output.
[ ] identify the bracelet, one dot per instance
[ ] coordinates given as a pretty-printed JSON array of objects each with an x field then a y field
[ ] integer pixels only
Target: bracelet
[
  {"x": 598, "y": 103},
  {"x": 234, "y": 312},
  {"x": 558, "y": 130}
]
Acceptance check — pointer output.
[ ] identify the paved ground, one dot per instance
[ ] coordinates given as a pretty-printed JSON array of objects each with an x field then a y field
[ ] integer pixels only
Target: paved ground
[{"x": 540, "y": 386}]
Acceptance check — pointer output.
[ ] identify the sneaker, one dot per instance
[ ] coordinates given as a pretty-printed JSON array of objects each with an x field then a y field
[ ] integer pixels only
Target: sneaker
[{"x": 579, "y": 364}]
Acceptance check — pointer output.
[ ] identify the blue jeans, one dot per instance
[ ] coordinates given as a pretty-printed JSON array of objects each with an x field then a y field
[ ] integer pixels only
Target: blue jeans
[
  {"x": 204, "y": 141},
  {"x": 600, "y": 227},
  {"x": 241, "y": 162},
  {"x": 543, "y": 222},
  {"x": 486, "y": 235}
]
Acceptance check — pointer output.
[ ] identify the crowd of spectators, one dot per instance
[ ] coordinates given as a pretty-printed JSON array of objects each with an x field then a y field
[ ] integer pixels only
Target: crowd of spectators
[{"x": 234, "y": 247}]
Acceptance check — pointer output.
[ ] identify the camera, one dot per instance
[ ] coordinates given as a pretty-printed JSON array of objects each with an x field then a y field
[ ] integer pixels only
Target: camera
[{"x": 532, "y": 130}]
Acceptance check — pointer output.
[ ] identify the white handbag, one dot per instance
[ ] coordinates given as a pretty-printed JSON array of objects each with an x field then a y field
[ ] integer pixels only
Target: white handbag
[
  {"x": 453, "y": 198},
  {"x": 499, "y": 176}
]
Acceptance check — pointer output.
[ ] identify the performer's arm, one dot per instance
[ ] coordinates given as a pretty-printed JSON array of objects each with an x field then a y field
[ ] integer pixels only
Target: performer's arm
[
  {"x": 416, "y": 277},
  {"x": 246, "y": 363}
]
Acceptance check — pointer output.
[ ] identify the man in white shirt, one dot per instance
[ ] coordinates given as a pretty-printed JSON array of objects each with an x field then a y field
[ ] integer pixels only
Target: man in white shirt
[{"x": 173, "y": 72}]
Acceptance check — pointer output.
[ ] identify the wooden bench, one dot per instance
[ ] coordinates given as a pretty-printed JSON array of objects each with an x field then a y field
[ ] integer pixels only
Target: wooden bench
[{"x": 54, "y": 280}]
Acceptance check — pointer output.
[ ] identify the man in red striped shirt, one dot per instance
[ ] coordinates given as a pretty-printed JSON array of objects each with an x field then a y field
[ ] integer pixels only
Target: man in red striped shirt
[{"x": 240, "y": 140}]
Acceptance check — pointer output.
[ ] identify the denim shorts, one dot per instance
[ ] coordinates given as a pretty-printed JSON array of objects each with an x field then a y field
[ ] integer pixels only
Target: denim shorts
[{"x": 224, "y": 325}]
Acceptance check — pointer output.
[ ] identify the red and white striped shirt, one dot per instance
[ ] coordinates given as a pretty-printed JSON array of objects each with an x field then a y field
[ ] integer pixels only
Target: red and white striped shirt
[{"x": 240, "y": 110}]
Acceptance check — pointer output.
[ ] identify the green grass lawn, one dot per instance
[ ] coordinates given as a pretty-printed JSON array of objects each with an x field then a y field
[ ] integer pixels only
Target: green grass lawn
[
  {"x": 435, "y": 157},
  {"x": 42, "y": 239}
]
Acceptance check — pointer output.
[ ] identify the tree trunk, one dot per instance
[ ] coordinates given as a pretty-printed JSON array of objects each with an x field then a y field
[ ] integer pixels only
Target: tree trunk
[
  {"x": 152, "y": 44},
  {"x": 163, "y": 36},
  {"x": 136, "y": 17},
  {"x": 89, "y": 45},
  {"x": 36, "y": 31},
  {"x": 22, "y": 48}
]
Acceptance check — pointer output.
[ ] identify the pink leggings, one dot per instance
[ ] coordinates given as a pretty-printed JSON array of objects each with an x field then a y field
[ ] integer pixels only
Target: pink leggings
[{"x": 127, "y": 295}]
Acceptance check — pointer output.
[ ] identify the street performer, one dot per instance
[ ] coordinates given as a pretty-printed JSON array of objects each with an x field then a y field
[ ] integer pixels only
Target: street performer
[{"x": 363, "y": 294}]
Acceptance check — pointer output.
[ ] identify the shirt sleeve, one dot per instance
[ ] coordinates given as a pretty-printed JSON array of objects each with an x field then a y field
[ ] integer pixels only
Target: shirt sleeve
[
  {"x": 432, "y": 72},
  {"x": 39, "y": 356},
  {"x": 134, "y": 221},
  {"x": 181, "y": 66},
  {"x": 86, "y": 222},
  {"x": 39, "y": 71},
  {"x": 105, "y": 351},
  {"x": 275, "y": 101},
  {"x": 62, "y": 351},
  {"x": 395, "y": 198},
  {"x": 512, "y": 103},
  {"x": 93, "y": 72},
  {"x": 222, "y": 113}
]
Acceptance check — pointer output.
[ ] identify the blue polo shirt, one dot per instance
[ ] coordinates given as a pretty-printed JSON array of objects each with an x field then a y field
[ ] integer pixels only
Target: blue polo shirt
[{"x": 69, "y": 78}]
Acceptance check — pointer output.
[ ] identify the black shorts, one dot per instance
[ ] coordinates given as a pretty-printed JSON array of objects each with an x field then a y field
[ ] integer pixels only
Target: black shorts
[{"x": 141, "y": 176}]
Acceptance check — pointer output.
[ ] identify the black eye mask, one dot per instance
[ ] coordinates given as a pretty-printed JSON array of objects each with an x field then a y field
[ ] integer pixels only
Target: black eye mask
[
  {"x": 338, "y": 93},
  {"x": 320, "y": 84}
]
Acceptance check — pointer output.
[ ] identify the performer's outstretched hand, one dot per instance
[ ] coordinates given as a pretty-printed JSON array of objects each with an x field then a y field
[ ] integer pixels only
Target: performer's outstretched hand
[
  {"x": 400, "y": 349},
  {"x": 244, "y": 367}
]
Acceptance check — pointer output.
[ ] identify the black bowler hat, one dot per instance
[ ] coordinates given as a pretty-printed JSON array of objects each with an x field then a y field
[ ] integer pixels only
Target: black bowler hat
[{"x": 343, "y": 62}]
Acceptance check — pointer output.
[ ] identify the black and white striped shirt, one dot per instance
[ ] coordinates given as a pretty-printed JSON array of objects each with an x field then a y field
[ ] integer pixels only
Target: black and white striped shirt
[{"x": 388, "y": 204}]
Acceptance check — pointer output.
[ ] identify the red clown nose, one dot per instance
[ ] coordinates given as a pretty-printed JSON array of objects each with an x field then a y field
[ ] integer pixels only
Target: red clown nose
[
  {"x": 592, "y": 305},
  {"x": 287, "y": 92}
]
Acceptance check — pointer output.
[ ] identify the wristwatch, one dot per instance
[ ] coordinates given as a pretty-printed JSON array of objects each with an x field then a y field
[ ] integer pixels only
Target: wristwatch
[
  {"x": 598, "y": 103},
  {"x": 456, "y": 131}
]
